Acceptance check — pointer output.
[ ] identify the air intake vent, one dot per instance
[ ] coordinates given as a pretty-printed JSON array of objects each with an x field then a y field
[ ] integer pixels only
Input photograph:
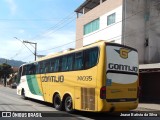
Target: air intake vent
[{"x": 88, "y": 98}]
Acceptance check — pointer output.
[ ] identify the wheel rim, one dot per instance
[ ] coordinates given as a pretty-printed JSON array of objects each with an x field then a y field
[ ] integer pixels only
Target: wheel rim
[{"x": 68, "y": 104}]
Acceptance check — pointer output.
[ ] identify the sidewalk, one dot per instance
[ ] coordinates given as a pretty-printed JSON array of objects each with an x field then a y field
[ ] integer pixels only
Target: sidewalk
[{"x": 148, "y": 107}]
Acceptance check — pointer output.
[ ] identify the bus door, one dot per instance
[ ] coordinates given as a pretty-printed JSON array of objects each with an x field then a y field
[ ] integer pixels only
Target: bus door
[
  {"x": 121, "y": 73},
  {"x": 46, "y": 80}
]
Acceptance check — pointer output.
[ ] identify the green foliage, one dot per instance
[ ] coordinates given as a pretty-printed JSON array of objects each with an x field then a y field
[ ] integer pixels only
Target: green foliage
[{"x": 5, "y": 70}]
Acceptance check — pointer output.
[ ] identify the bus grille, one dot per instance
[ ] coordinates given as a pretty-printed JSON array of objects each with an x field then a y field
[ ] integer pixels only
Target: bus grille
[{"x": 88, "y": 98}]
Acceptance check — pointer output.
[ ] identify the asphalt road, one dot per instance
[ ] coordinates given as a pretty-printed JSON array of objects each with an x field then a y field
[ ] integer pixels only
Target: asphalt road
[
  {"x": 14, "y": 104},
  {"x": 10, "y": 101}
]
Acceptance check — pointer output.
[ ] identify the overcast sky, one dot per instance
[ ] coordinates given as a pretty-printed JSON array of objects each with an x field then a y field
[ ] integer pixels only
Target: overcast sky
[{"x": 40, "y": 21}]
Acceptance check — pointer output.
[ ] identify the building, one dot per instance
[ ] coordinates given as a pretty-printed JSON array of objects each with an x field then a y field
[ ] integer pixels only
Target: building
[
  {"x": 95, "y": 19},
  {"x": 130, "y": 22}
]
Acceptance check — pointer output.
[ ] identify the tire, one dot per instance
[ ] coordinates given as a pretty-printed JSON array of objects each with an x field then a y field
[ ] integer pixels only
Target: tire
[
  {"x": 68, "y": 104},
  {"x": 57, "y": 103},
  {"x": 23, "y": 94}
]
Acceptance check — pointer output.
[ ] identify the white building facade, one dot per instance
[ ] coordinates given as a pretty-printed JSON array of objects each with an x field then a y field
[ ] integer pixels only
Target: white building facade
[{"x": 108, "y": 24}]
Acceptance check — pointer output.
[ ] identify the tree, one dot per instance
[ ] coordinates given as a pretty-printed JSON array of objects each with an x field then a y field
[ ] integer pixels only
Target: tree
[{"x": 5, "y": 70}]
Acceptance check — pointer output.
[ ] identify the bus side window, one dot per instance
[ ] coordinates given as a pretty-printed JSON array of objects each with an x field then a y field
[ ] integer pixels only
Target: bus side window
[
  {"x": 41, "y": 69},
  {"x": 56, "y": 65},
  {"x": 78, "y": 65},
  {"x": 52, "y": 65},
  {"x": 46, "y": 66},
  {"x": 37, "y": 68},
  {"x": 91, "y": 57},
  {"x": 64, "y": 66},
  {"x": 31, "y": 69},
  {"x": 70, "y": 62},
  {"x": 28, "y": 69}
]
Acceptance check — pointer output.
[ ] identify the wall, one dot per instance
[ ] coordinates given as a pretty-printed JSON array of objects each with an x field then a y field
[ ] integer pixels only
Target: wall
[
  {"x": 133, "y": 26},
  {"x": 142, "y": 23},
  {"x": 154, "y": 31}
]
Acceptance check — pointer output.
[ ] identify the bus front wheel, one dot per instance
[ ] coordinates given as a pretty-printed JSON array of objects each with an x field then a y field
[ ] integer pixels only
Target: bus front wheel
[
  {"x": 68, "y": 104},
  {"x": 23, "y": 94},
  {"x": 57, "y": 103}
]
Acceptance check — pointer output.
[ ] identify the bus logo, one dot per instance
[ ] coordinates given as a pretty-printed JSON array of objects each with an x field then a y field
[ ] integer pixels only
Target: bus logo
[{"x": 123, "y": 52}]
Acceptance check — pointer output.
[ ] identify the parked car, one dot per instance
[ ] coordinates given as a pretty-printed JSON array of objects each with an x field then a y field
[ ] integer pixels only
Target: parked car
[{"x": 14, "y": 85}]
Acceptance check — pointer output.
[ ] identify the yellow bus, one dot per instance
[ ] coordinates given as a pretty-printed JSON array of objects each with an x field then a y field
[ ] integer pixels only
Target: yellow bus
[{"x": 98, "y": 77}]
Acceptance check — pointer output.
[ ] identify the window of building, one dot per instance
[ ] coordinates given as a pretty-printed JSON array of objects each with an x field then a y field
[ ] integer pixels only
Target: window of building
[
  {"x": 91, "y": 27},
  {"x": 111, "y": 19}
]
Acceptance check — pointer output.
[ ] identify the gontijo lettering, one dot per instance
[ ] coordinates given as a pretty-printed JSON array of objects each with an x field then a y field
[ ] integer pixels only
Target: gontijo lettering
[
  {"x": 121, "y": 67},
  {"x": 60, "y": 78}
]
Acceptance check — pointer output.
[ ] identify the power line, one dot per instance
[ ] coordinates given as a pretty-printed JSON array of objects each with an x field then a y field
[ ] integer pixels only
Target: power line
[
  {"x": 27, "y": 56},
  {"x": 97, "y": 32},
  {"x": 60, "y": 27},
  {"x": 19, "y": 51},
  {"x": 25, "y": 45},
  {"x": 17, "y": 20},
  {"x": 126, "y": 35},
  {"x": 61, "y": 22}
]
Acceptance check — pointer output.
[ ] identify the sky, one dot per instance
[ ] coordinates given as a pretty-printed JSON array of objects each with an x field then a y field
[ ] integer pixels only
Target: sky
[{"x": 49, "y": 23}]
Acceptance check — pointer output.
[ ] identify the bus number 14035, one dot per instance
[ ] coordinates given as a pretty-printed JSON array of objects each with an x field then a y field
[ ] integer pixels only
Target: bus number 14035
[{"x": 84, "y": 78}]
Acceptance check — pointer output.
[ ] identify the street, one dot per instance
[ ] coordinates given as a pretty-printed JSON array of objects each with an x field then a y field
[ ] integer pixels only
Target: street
[{"x": 10, "y": 101}]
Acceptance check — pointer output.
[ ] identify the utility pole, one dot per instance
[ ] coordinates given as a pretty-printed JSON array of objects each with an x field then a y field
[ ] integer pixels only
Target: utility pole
[{"x": 35, "y": 53}]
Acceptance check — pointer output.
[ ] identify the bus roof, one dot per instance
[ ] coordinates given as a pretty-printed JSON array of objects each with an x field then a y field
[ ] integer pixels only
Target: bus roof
[
  {"x": 71, "y": 50},
  {"x": 97, "y": 43}
]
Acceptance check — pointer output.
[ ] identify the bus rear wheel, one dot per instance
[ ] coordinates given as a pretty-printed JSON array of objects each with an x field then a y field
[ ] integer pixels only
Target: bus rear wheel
[
  {"x": 68, "y": 104},
  {"x": 57, "y": 103}
]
